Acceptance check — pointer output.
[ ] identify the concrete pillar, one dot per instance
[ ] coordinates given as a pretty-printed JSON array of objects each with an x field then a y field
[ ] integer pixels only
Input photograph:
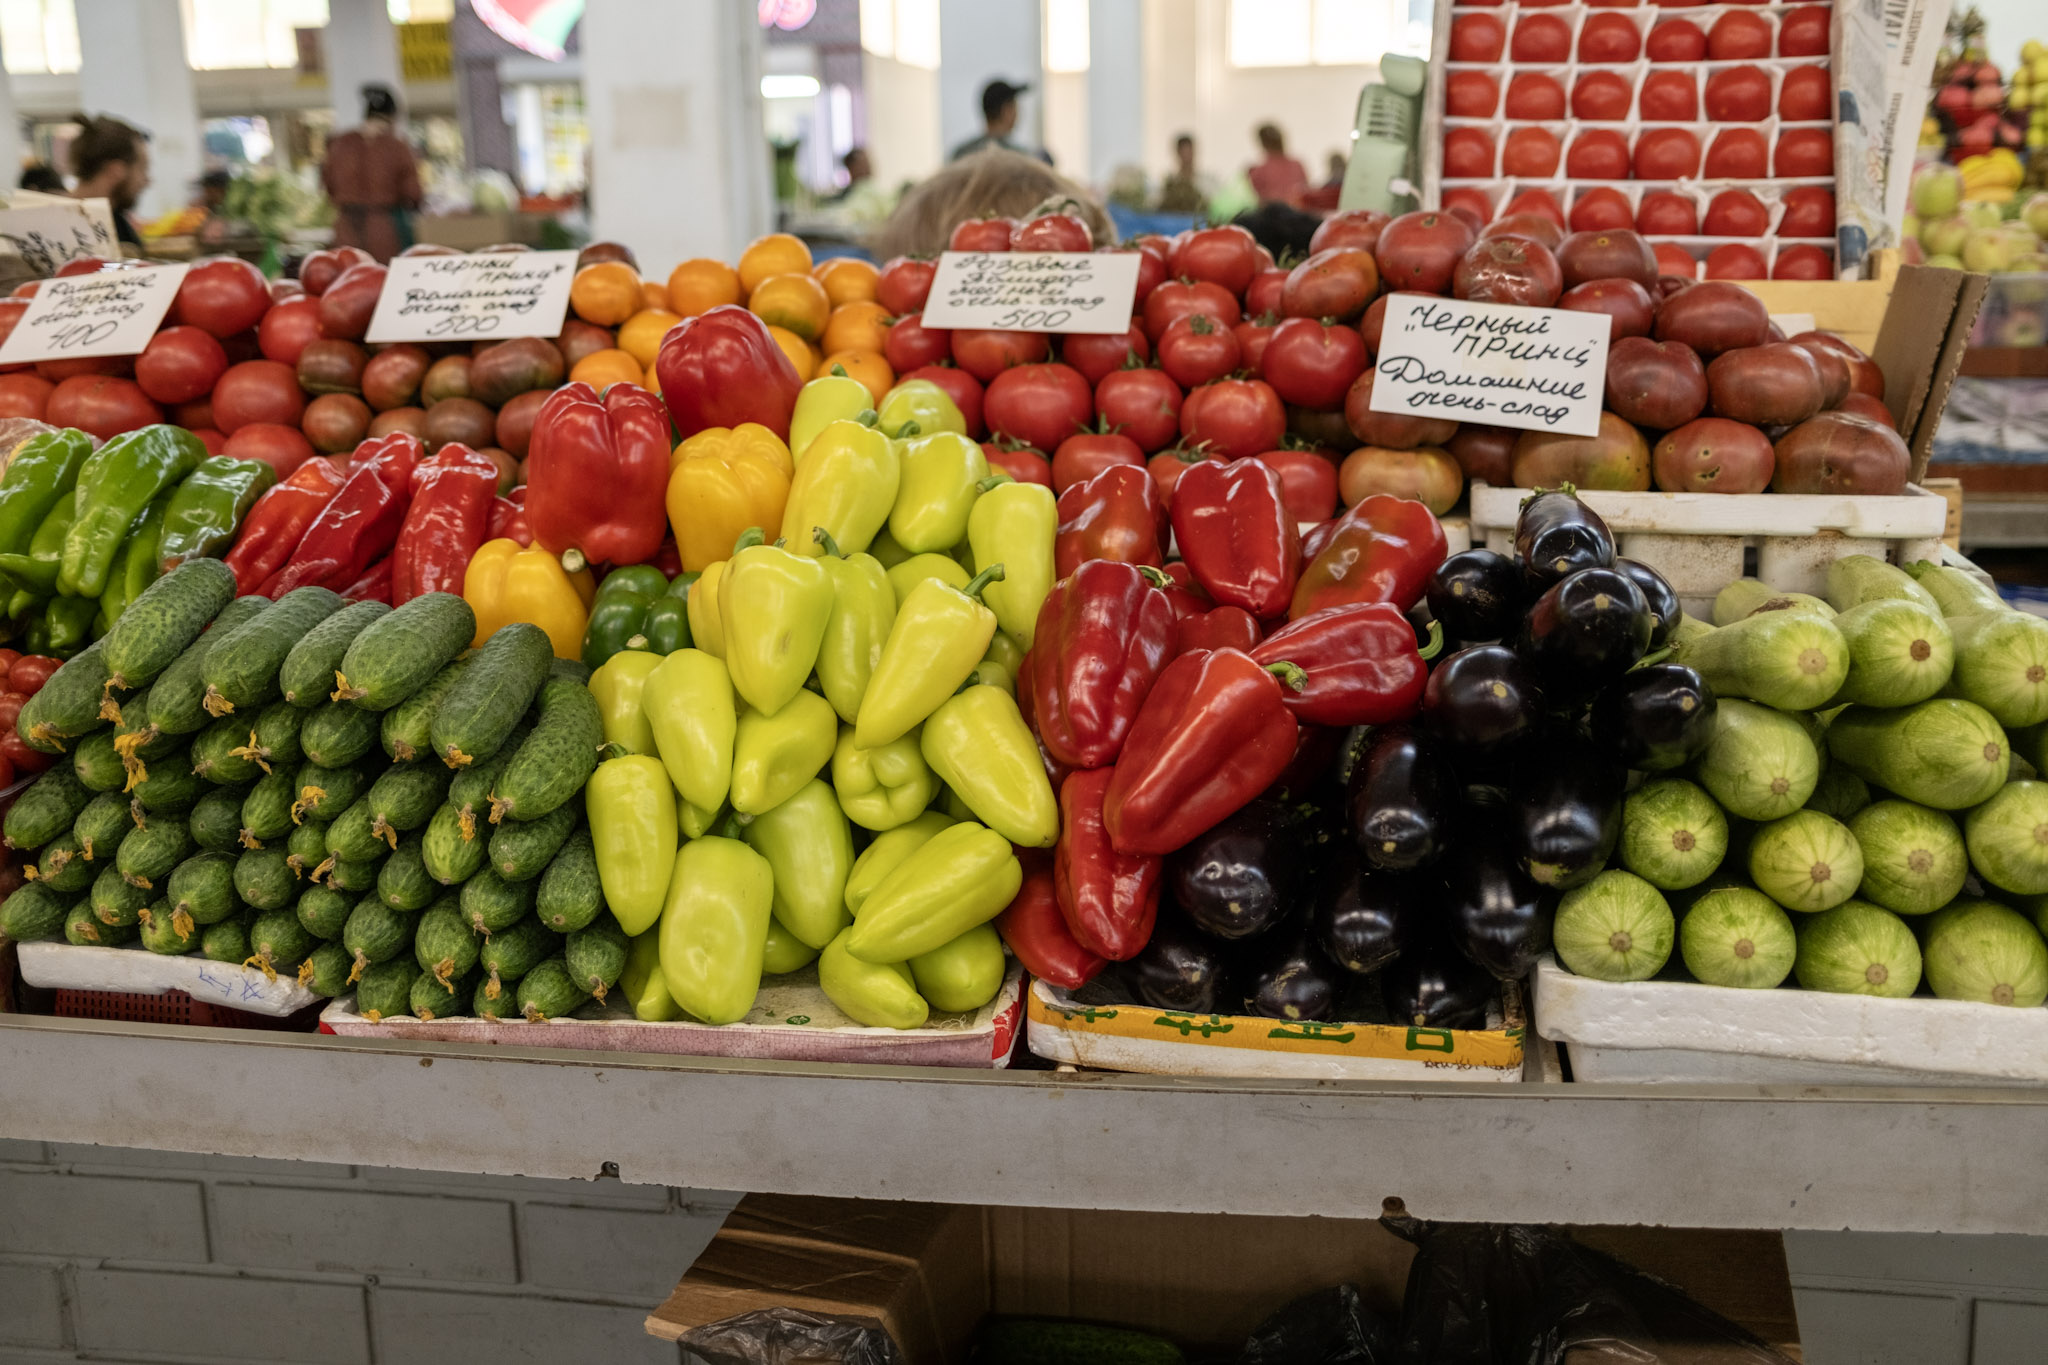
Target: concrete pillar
[
  {"x": 1116, "y": 87},
  {"x": 132, "y": 65},
  {"x": 10, "y": 131},
  {"x": 360, "y": 48},
  {"x": 980, "y": 42},
  {"x": 680, "y": 164}
]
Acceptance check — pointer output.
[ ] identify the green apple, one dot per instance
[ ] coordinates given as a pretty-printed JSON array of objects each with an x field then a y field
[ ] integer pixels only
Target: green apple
[
  {"x": 1944, "y": 261},
  {"x": 1990, "y": 250},
  {"x": 1937, "y": 190},
  {"x": 2034, "y": 213},
  {"x": 1982, "y": 215},
  {"x": 1945, "y": 236}
]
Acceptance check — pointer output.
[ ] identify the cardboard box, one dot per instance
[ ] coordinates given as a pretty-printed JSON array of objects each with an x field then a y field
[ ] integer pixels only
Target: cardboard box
[
  {"x": 929, "y": 1272},
  {"x": 468, "y": 231}
]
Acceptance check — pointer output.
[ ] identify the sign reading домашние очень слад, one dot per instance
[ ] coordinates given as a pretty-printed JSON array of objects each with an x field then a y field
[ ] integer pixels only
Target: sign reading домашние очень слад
[
  {"x": 489, "y": 296},
  {"x": 1539, "y": 369}
]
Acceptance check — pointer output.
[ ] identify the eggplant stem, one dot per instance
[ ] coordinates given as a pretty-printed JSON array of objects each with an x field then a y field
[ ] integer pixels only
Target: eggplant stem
[{"x": 1436, "y": 642}]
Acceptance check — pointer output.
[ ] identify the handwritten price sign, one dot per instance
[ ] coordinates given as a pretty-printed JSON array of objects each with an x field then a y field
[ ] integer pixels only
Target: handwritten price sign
[
  {"x": 1539, "y": 369},
  {"x": 1034, "y": 291},
  {"x": 115, "y": 312},
  {"x": 492, "y": 297}
]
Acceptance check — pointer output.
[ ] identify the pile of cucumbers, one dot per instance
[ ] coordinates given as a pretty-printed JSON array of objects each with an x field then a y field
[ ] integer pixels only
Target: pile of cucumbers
[
  {"x": 338, "y": 790},
  {"x": 1868, "y": 814}
]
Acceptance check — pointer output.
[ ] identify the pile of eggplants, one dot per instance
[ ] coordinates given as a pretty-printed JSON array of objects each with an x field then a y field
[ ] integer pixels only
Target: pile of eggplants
[{"x": 1426, "y": 858}]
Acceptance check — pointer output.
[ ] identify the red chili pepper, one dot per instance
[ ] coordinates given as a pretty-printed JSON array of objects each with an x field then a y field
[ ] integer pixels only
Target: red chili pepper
[
  {"x": 1103, "y": 636},
  {"x": 375, "y": 585},
  {"x": 1233, "y": 529},
  {"x": 1222, "y": 628},
  {"x": 508, "y": 521},
  {"x": 1383, "y": 550},
  {"x": 278, "y": 521},
  {"x": 360, "y": 525},
  {"x": 598, "y": 471},
  {"x": 1308, "y": 482},
  {"x": 453, "y": 495},
  {"x": 1116, "y": 515},
  {"x": 668, "y": 558},
  {"x": 1037, "y": 932},
  {"x": 721, "y": 368},
  {"x": 1184, "y": 592},
  {"x": 1108, "y": 898},
  {"x": 1213, "y": 733},
  {"x": 1361, "y": 664}
]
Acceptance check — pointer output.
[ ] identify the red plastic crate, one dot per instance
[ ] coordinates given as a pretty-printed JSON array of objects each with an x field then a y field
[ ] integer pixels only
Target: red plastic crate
[{"x": 173, "y": 1007}]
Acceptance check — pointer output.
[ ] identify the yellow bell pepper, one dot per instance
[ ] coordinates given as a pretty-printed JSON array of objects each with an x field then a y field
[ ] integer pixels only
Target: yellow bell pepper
[
  {"x": 825, "y": 400},
  {"x": 845, "y": 488},
  {"x": 721, "y": 481},
  {"x": 505, "y": 583},
  {"x": 918, "y": 407}
]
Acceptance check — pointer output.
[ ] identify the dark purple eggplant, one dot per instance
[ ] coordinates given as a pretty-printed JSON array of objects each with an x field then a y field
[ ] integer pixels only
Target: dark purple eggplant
[
  {"x": 1403, "y": 799},
  {"x": 1290, "y": 977},
  {"x": 1654, "y": 718},
  {"x": 1482, "y": 698},
  {"x": 1477, "y": 595},
  {"x": 1557, "y": 534},
  {"x": 1586, "y": 631},
  {"x": 1564, "y": 809},
  {"x": 1363, "y": 917},
  {"x": 1238, "y": 878},
  {"x": 1499, "y": 917},
  {"x": 1181, "y": 969},
  {"x": 1665, "y": 613},
  {"x": 1433, "y": 985}
]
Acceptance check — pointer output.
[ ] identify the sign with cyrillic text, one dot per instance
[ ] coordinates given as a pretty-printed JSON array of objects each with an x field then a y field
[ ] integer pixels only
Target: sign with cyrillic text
[
  {"x": 113, "y": 312},
  {"x": 1034, "y": 291},
  {"x": 46, "y": 232},
  {"x": 1539, "y": 369},
  {"x": 491, "y": 296}
]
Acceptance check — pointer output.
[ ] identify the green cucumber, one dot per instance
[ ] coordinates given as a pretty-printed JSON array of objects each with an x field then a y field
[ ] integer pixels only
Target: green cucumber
[
  {"x": 384, "y": 991},
  {"x": 148, "y": 855},
  {"x": 405, "y": 798},
  {"x": 375, "y": 932},
  {"x": 274, "y": 737},
  {"x": 449, "y": 858},
  {"x": 470, "y": 791},
  {"x": 35, "y": 911},
  {"x": 134, "y": 738},
  {"x": 553, "y": 762},
  {"x": 549, "y": 992},
  {"x": 278, "y": 942},
  {"x": 429, "y": 999},
  {"x": 167, "y": 933},
  {"x": 595, "y": 955},
  {"x": 307, "y": 674},
  {"x": 511, "y": 953},
  {"x": 169, "y": 787},
  {"x": 114, "y": 901},
  {"x": 97, "y": 763},
  {"x": 487, "y": 701},
  {"x": 336, "y": 734},
  {"x": 325, "y": 793},
  {"x": 1791, "y": 660},
  {"x": 305, "y": 847},
  {"x": 522, "y": 849},
  {"x": 325, "y": 970},
  {"x": 570, "y": 895},
  {"x": 491, "y": 903},
  {"x": 63, "y": 866},
  {"x": 163, "y": 620},
  {"x": 227, "y": 941},
  {"x": 485, "y": 1005},
  {"x": 350, "y": 839},
  {"x": 400, "y": 653},
  {"x": 1945, "y": 753},
  {"x": 267, "y": 809},
  {"x": 324, "y": 911},
  {"x": 83, "y": 930},
  {"x": 406, "y": 730},
  {"x": 48, "y": 808},
  {"x": 264, "y": 881},
  {"x": 444, "y": 945},
  {"x": 203, "y": 887},
  {"x": 241, "y": 669},
  {"x": 350, "y": 874},
  {"x": 575, "y": 670},
  {"x": 216, "y": 820},
  {"x": 403, "y": 882},
  {"x": 216, "y": 753},
  {"x": 177, "y": 701},
  {"x": 102, "y": 825},
  {"x": 67, "y": 707}
]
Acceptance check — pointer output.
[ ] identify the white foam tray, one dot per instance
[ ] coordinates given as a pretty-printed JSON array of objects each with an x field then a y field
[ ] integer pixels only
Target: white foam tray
[
  {"x": 1678, "y": 1032},
  {"x": 134, "y": 970}
]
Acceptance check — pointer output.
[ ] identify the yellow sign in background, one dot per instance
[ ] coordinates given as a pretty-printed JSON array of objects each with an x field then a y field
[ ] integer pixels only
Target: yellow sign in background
[{"x": 424, "y": 53}]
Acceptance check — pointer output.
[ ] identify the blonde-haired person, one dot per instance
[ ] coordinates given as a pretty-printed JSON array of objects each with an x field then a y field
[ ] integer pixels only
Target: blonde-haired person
[{"x": 989, "y": 184}]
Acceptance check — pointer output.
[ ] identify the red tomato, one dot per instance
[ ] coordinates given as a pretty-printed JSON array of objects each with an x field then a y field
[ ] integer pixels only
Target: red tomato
[
  {"x": 104, "y": 405},
  {"x": 1531, "y": 153},
  {"x": 10, "y": 707},
  {"x": 1803, "y": 31},
  {"x": 1470, "y": 204},
  {"x": 1268, "y": 287},
  {"x": 180, "y": 364},
  {"x": 904, "y": 284},
  {"x": 1311, "y": 365},
  {"x": 1151, "y": 274},
  {"x": 1667, "y": 154},
  {"x": 29, "y": 672},
  {"x": 1351, "y": 227},
  {"x": 1470, "y": 94},
  {"x": 1809, "y": 212},
  {"x": 57, "y": 371},
  {"x": 1143, "y": 404},
  {"x": 214, "y": 441},
  {"x": 1052, "y": 232},
  {"x": 1252, "y": 335},
  {"x": 1601, "y": 208},
  {"x": 11, "y": 310},
  {"x": 1477, "y": 38},
  {"x": 1468, "y": 154},
  {"x": 1675, "y": 40},
  {"x": 1308, "y": 482},
  {"x": 1196, "y": 349},
  {"x": 1666, "y": 213},
  {"x": 1535, "y": 201},
  {"x": 982, "y": 234},
  {"x": 1736, "y": 261},
  {"x": 1804, "y": 153},
  {"x": 1739, "y": 36},
  {"x": 1673, "y": 259},
  {"x": 1598, "y": 154},
  {"x": 323, "y": 268},
  {"x": 1025, "y": 466},
  {"x": 283, "y": 448},
  {"x": 1085, "y": 454},
  {"x": 1168, "y": 465},
  {"x": 1602, "y": 97},
  {"x": 1154, "y": 244},
  {"x": 280, "y": 290},
  {"x": 222, "y": 295},
  {"x": 1806, "y": 94},
  {"x": 1803, "y": 262},
  {"x": 12, "y": 874},
  {"x": 7, "y": 658},
  {"x": 83, "y": 265},
  {"x": 194, "y": 415},
  {"x": 1420, "y": 251},
  {"x": 1541, "y": 40},
  {"x": 1334, "y": 283},
  {"x": 288, "y": 329},
  {"x": 26, "y": 761},
  {"x": 1736, "y": 213},
  {"x": 1533, "y": 95},
  {"x": 25, "y": 395},
  {"x": 1226, "y": 256},
  {"x": 1234, "y": 417},
  {"x": 1178, "y": 298},
  {"x": 349, "y": 303},
  {"x": 1739, "y": 94},
  {"x": 1096, "y": 354},
  {"x": 1737, "y": 154},
  {"x": 963, "y": 388},
  {"x": 257, "y": 391},
  {"x": 909, "y": 344},
  {"x": 1669, "y": 97},
  {"x": 1038, "y": 404},
  {"x": 986, "y": 353},
  {"x": 1610, "y": 38}
]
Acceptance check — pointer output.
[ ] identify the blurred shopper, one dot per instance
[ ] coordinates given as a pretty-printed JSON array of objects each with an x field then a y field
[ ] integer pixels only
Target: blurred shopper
[
  {"x": 373, "y": 180},
  {"x": 862, "y": 203},
  {"x": 1183, "y": 190},
  {"x": 999, "y": 121},
  {"x": 1278, "y": 178},
  {"x": 110, "y": 161},
  {"x": 993, "y": 184}
]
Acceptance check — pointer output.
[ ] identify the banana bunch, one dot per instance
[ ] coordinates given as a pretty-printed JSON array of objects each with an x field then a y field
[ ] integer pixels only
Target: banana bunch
[{"x": 1993, "y": 177}]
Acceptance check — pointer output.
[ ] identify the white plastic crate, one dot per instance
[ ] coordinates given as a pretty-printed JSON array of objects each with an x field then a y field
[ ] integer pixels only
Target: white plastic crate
[{"x": 132, "y": 969}]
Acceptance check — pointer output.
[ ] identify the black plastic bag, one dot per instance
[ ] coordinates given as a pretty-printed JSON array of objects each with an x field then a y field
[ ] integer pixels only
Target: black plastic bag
[
  {"x": 788, "y": 1336},
  {"x": 1328, "y": 1327}
]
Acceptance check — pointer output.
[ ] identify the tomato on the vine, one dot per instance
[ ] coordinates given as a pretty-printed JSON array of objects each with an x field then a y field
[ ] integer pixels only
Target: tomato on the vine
[
  {"x": 1179, "y": 298},
  {"x": 982, "y": 234},
  {"x": 1038, "y": 404},
  {"x": 1143, "y": 404},
  {"x": 908, "y": 343},
  {"x": 1310, "y": 364},
  {"x": 1226, "y": 256},
  {"x": 1196, "y": 349},
  {"x": 1234, "y": 417},
  {"x": 1052, "y": 232},
  {"x": 904, "y": 284}
]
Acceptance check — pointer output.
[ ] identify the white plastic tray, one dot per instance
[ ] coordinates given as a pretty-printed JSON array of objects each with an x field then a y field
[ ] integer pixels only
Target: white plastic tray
[{"x": 134, "y": 970}]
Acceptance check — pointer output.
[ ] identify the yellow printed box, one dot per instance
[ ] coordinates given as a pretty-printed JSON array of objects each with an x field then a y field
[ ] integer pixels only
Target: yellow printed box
[{"x": 1133, "y": 1037}]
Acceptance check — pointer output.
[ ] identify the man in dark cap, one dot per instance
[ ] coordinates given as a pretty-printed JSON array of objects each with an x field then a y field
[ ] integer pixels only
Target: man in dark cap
[{"x": 999, "y": 120}]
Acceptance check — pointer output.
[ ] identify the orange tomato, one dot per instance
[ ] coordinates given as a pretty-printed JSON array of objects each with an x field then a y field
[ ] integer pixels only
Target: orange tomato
[
  {"x": 641, "y": 335},
  {"x": 654, "y": 294},
  {"x": 701, "y": 285},
  {"x": 868, "y": 367},
  {"x": 797, "y": 302},
  {"x": 847, "y": 279},
  {"x": 601, "y": 369},
  {"x": 796, "y": 348},
  {"x": 856, "y": 327},
  {"x": 652, "y": 383},
  {"x": 776, "y": 254},
  {"x": 606, "y": 293}
]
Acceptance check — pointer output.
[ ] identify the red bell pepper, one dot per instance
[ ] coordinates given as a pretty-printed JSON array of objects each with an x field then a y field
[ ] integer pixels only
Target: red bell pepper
[
  {"x": 278, "y": 521},
  {"x": 1222, "y": 628},
  {"x": 508, "y": 519},
  {"x": 1316, "y": 537},
  {"x": 1108, "y": 898},
  {"x": 1383, "y": 550},
  {"x": 1233, "y": 528},
  {"x": 1116, "y": 515},
  {"x": 360, "y": 525},
  {"x": 1184, "y": 592},
  {"x": 1360, "y": 664},
  {"x": 1103, "y": 636},
  {"x": 722, "y": 368},
  {"x": 452, "y": 497},
  {"x": 375, "y": 585},
  {"x": 597, "y": 470},
  {"x": 1214, "y": 732},
  {"x": 1037, "y": 932}
]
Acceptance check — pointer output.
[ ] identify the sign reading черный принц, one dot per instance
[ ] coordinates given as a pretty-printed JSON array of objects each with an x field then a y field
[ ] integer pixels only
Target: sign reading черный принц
[
  {"x": 492, "y": 296},
  {"x": 1034, "y": 291},
  {"x": 1539, "y": 369}
]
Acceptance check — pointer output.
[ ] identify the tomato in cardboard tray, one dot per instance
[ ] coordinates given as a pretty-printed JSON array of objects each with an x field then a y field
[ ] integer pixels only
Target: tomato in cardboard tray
[
  {"x": 1667, "y": 154},
  {"x": 1669, "y": 97},
  {"x": 1610, "y": 38},
  {"x": 1736, "y": 213},
  {"x": 1533, "y": 95},
  {"x": 1667, "y": 213},
  {"x": 1602, "y": 97},
  {"x": 1470, "y": 94},
  {"x": 1806, "y": 94},
  {"x": 1600, "y": 209},
  {"x": 1676, "y": 40},
  {"x": 1739, "y": 94},
  {"x": 1598, "y": 154}
]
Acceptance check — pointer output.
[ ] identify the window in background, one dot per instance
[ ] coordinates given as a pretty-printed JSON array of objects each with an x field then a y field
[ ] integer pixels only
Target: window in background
[
  {"x": 227, "y": 34},
  {"x": 907, "y": 30},
  {"x": 39, "y": 35},
  {"x": 1066, "y": 35},
  {"x": 1320, "y": 32}
]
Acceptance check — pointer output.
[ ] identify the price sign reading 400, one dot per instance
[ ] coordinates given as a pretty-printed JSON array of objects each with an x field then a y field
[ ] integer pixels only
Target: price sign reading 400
[{"x": 114, "y": 312}]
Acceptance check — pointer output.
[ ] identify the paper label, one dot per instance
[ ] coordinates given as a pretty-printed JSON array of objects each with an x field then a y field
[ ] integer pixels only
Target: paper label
[
  {"x": 1034, "y": 291},
  {"x": 1792, "y": 324},
  {"x": 46, "y": 234},
  {"x": 494, "y": 297},
  {"x": 113, "y": 312},
  {"x": 1539, "y": 369}
]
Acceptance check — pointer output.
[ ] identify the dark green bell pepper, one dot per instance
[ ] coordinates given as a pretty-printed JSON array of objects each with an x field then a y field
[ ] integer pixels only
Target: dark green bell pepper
[
  {"x": 118, "y": 482},
  {"x": 35, "y": 572},
  {"x": 208, "y": 507},
  {"x": 40, "y": 472},
  {"x": 667, "y": 627},
  {"x": 619, "y": 610},
  {"x": 135, "y": 568}
]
